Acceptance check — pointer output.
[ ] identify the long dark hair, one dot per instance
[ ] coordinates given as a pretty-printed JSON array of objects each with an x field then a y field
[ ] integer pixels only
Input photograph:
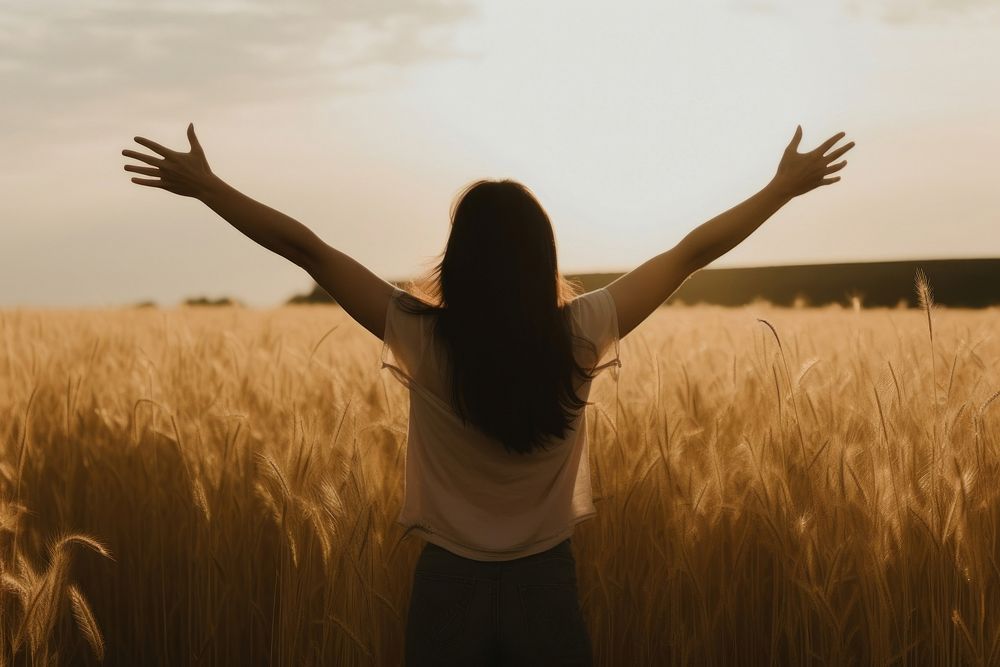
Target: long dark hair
[{"x": 501, "y": 313}]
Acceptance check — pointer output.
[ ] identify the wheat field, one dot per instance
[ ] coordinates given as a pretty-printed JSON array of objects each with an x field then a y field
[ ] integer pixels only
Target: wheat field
[{"x": 774, "y": 486}]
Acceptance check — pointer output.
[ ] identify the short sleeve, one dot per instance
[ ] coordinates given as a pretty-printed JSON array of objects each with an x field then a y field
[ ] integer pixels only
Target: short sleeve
[
  {"x": 405, "y": 339},
  {"x": 596, "y": 320}
]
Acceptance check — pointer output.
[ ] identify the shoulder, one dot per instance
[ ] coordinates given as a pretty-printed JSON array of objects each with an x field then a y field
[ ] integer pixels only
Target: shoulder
[
  {"x": 410, "y": 303},
  {"x": 593, "y": 296},
  {"x": 409, "y": 316},
  {"x": 596, "y": 304},
  {"x": 595, "y": 318}
]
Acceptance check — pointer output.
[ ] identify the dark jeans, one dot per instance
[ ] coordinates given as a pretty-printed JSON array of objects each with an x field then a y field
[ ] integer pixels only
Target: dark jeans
[{"x": 516, "y": 612}]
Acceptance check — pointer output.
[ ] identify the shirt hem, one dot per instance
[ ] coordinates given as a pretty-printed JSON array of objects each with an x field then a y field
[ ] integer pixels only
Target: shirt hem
[{"x": 472, "y": 553}]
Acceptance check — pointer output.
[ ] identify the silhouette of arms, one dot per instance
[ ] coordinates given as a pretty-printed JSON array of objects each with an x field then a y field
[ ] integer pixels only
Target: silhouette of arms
[
  {"x": 360, "y": 292},
  {"x": 639, "y": 292}
]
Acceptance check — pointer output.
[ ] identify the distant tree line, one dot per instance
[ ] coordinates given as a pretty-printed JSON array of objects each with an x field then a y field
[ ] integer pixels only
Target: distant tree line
[
  {"x": 320, "y": 295},
  {"x": 196, "y": 301},
  {"x": 203, "y": 301},
  {"x": 959, "y": 283}
]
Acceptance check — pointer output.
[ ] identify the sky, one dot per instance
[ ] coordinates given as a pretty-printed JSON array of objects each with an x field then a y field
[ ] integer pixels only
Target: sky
[{"x": 632, "y": 122}]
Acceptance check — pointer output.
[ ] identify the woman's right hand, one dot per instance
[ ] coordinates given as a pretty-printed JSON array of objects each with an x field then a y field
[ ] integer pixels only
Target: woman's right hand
[
  {"x": 798, "y": 173},
  {"x": 186, "y": 174}
]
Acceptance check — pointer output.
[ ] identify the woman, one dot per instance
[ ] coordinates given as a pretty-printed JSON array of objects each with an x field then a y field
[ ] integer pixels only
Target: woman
[{"x": 498, "y": 355}]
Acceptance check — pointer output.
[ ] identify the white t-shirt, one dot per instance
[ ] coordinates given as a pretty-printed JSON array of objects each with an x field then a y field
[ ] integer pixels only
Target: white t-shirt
[{"x": 462, "y": 490}]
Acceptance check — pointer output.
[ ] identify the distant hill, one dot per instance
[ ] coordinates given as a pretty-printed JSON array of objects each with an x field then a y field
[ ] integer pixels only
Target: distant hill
[{"x": 959, "y": 283}]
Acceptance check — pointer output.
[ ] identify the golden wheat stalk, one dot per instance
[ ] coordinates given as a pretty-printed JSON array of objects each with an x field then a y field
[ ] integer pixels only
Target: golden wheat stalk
[
  {"x": 86, "y": 622},
  {"x": 926, "y": 298}
]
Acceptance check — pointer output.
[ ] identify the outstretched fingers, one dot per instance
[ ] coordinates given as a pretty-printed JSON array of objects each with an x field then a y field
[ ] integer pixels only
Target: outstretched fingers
[
  {"x": 835, "y": 167},
  {"x": 193, "y": 139},
  {"x": 155, "y": 147},
  {"x": 150, "y": 182},
  {"x": 828, "y": 144},
  {"x": 148, "y": 159},
  {"x": 793, "y": 145},
  {"x": 148, "y": 171},
  {"x": 840, "y": 151}
]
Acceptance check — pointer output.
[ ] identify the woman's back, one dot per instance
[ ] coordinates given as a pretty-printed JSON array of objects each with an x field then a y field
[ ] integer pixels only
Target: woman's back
[{"x": 463, "y": 490}]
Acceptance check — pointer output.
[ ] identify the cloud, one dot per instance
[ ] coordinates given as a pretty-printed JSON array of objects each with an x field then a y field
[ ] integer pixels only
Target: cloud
[
  {"x": 56, "y": 55},
  {"x": 917, "y": 11},
  {"x": 889, "y": 11}
]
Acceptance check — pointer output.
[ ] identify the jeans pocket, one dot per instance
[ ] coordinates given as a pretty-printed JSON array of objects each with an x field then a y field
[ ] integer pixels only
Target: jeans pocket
[
  {"x": 555, "y": 623},
  {"x": 437, "y": 615}
]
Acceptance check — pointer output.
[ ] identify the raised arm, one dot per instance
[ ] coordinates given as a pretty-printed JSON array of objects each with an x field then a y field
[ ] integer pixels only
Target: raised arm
[
  {"x": 640, "y": 291},
  {"x": 360, "y": 292}
]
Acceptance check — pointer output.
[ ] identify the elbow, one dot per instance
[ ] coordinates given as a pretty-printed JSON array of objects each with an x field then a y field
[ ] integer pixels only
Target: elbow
[
  {"x": 692, "y": 259},
  {"x": 296, "y": 256},
  {"x": 305, "y": 256},
  {"x": 694, "y": 262}
]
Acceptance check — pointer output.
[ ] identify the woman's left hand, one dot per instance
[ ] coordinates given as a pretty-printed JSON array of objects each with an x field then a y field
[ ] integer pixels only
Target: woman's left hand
[
  {"x": 186, "y": 174},
  {"x": 798, "y": 173}
]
